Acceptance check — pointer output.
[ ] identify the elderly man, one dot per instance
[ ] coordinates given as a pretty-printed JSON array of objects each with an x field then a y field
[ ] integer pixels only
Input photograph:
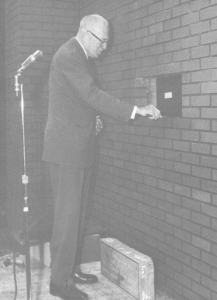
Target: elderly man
[{"x": 74, "y": 103}]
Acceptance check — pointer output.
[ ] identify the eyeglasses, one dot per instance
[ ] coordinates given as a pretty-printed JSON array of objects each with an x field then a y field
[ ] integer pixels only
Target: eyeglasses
[{"x": 101, "y": 41}]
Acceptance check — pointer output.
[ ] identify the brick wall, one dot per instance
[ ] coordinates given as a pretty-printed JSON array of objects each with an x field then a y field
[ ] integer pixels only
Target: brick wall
[
  {"x": 156, "y": 185},
  {"x": 30, "y": 26}
]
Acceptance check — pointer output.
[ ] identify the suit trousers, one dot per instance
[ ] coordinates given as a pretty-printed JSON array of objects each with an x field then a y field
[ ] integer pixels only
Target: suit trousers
[{"x": 71, "y": 192}]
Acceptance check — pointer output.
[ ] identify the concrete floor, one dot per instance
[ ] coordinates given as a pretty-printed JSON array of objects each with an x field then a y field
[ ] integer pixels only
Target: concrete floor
[{"x": 40, "y": 279}]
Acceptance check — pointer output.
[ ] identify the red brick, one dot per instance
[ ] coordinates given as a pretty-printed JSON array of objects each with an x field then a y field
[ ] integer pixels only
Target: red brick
[
  {"x": 191, "y": 112},
  {"x": 191, "y": 204},
  {"x": 181, "y": 55},
  {"x": 182, "y": 168},
  {"x": 201, "y": 172},
  {"x": 182, "y": 190},
  {"x": 200, "y": 51},
  {"x": 191, "y": 17},
  {"x": 191, "y": 250},
  {"x": 200, "y": 27},
  {"x": 209, "y": 259},
  {"x": 201, "y": 290},
  {"x": 199, "y": 4},
  {"x": 190, "y": 42},
  {"x": 209, "y": 137},
  {"x": 191, "y": 65},
  {"x": 209, "y": 210},
  {"x": 172, "y": 68},
  {"x": 190, "y": 295},
  {"x": 181, "y": 10},
  {"x": 171, "y": 24},
  {"x": 163, "y": 15},
  {"x": 201, "y": 243},
  {"x": 200, "y": 125},
  {"x": 190, "y": 135},
  {"x": 209, "y": 283},
  {"x": 170, "y": 3},
  {"x": 156, "y": 28},
  {"x": 201, "y": 219},
  {"x": 155, "y": 7},
  {"x": 208, "y": 113},
  {"x": 208, "y": 13},
  {"x": 181, "y": 32},
  {"x": 207, "y": 38}
]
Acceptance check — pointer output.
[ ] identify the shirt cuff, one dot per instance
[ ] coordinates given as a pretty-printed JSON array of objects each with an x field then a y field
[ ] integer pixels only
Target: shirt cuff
[{"x": 133, "y": 113}]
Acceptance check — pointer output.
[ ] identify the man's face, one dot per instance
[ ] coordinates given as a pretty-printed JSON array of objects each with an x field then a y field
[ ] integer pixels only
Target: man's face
[{"x": 97, "y": 39}]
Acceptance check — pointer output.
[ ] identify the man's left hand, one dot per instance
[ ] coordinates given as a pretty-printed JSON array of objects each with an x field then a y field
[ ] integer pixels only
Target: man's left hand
[{"x": 99, "y": 125}]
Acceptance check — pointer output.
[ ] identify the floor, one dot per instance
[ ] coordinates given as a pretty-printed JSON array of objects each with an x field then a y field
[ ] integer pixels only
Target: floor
[{"x": 40, "y": 278}]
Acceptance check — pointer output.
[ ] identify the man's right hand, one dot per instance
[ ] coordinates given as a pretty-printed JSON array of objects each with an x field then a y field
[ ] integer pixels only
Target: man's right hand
[{"x": 149, "y": 110}]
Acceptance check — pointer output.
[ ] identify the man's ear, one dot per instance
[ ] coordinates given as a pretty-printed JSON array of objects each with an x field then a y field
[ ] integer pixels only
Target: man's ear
[{"x": 85, "y": 35}]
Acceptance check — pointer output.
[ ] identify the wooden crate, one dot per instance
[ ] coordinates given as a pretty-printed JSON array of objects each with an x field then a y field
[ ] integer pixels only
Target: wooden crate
[{"x": 127, "y": 268}]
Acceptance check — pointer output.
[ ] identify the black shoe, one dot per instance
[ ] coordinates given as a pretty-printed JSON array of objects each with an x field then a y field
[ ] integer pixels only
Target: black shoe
[
  {"x": 82, "y": 278},
  {"x": 67, "y": 293}
]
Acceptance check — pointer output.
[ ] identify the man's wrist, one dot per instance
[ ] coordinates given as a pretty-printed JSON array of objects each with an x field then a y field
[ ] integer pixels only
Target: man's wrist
[
  {"x": 134, "y": 112},
  {"x": 141, "y": 111}
]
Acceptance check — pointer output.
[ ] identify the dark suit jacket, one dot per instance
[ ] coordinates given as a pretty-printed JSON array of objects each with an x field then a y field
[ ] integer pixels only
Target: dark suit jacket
[{"x": 74, "y": 101}]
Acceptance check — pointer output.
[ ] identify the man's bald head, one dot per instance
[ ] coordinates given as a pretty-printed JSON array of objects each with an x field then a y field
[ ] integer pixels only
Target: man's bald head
[
  {"x": 93, "y": 34},
  {"x": 91, "y": 22}
]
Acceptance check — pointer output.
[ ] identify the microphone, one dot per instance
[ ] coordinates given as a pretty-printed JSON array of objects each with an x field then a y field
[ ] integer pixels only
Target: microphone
[{"x": 31, "y": 59}]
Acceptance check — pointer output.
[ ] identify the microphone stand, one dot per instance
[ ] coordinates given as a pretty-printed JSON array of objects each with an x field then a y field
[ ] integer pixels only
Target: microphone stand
[{"x": 19, "y": 87}]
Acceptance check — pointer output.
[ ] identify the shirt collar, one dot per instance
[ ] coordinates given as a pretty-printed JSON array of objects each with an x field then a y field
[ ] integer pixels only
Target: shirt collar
[{"x": 82, "y": 47}]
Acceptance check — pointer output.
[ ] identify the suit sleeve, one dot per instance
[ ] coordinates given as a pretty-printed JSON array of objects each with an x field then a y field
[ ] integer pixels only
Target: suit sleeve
[{"x": 74, "y": 68}]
